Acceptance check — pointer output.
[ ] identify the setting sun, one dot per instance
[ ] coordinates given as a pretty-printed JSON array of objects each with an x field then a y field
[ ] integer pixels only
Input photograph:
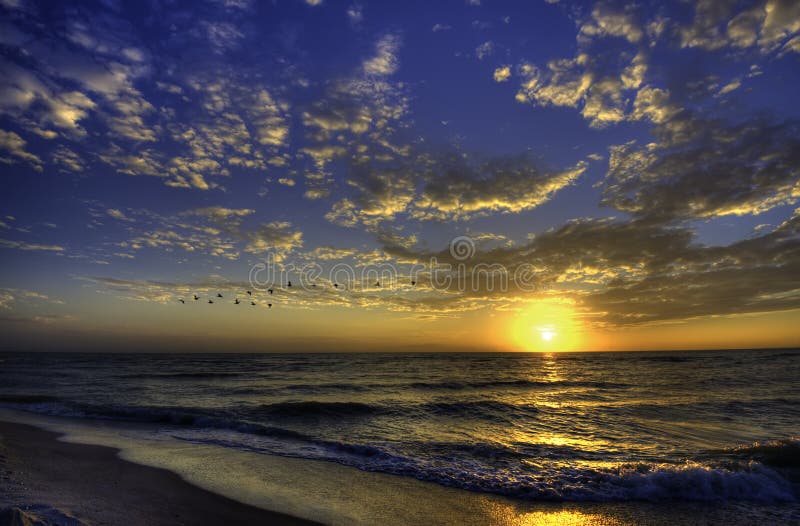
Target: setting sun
[{"x": 546, "y": 325}]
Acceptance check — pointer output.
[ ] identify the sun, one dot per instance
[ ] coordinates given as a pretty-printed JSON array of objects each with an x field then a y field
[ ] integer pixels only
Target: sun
[
  {"x": 547, "y": 335},
  {"x": 549, "y": 325}
]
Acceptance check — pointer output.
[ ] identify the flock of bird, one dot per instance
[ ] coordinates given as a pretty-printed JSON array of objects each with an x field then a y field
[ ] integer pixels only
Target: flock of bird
[
  {"x": 236, "y": 301},
  {"x": 253, "y": 303}
]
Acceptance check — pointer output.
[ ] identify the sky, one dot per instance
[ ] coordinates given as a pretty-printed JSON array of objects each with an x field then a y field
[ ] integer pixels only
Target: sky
[{"x": 536, "y": 175}]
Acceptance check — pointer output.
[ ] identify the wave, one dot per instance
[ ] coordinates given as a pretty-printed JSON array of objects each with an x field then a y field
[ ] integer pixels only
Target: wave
[
  {"x": 669, "y": 359},
  {"x": 516, "y": 479},
  {"x": 784, "y": 453},
  {"x": 26, "y": 399},
  {"x": 180, "y": 375},
  {"x": 521, "y": 384},
  {"x": 524, "y": 471},
  {"x": 480, "y": 409},
  {"x": 314, "y": 409}
]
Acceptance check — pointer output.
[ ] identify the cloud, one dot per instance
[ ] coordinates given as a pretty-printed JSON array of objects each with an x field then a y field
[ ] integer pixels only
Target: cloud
[
  {"x": 485, "y": 50},
  {"x": 26, "y": 98},
  {"x": 357, "y": 118},
  {"x": 14, "y": 145},
  {"x": 729, "y": 87},
  {"x": 614, "y": 22},
  {"x": 11, "y": 296},
  {"x": 598, "y": 84},
  {"x": 117, "y": 214},
  {"x": 68, "y": 160},
  {"x": 328, "y": 253},
  {"x": 766, "y": 25},
  {"x": 277, "y": 237},
  {"x": 624, "y": 273},
  {"x": 706, "y": 168},
  {"x": 355, "y": 13},
  {"x": 447, "y": 187},
  {"x": 217, "y": 231},
  {"x": 502, "y": 74},
  {"x": 459, "y": 190},
  {"x": 385, "y": 61},
  {"x": 223, "y": 35},
  {"x": 96, "y": 71},
  {"x": 22, "y": 245},
  {"x": 750, "y": 276},
  {"x": 228, "y": 219}
]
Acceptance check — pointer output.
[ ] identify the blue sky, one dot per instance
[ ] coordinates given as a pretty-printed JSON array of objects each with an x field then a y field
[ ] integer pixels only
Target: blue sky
[{"x": 642, "y": 157}]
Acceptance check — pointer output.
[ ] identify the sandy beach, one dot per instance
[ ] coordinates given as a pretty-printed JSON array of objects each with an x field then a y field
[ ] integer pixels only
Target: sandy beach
[{"x": 64, "y": 483}]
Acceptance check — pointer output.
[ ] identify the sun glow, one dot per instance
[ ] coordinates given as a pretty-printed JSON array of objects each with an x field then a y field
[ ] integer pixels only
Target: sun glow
[{"x": 546, "y": 326}]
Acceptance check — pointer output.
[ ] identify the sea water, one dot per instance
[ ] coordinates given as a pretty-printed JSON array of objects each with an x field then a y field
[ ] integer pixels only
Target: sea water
[{"x": 660, "y": 427}]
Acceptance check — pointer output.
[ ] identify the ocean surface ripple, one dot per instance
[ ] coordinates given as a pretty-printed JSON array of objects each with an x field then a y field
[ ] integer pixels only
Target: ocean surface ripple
[{"x": 702, "y": 426}]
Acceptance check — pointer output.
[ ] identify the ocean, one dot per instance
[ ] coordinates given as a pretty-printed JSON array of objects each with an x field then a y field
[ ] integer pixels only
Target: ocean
[{"x": 638, "y": 426}]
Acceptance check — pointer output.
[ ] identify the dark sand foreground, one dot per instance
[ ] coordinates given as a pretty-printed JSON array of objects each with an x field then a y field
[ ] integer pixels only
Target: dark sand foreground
[{"x": 90, "y": 484}]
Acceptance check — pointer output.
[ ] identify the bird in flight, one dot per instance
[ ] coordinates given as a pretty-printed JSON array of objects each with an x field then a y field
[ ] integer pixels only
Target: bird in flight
[{"x": 249, "y": 293}]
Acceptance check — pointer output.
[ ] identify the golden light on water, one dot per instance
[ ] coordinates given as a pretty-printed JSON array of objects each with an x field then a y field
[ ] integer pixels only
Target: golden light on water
[{"x": 549, "y": 325}]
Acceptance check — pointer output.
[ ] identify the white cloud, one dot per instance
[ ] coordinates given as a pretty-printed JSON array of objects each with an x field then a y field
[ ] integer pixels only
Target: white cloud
[
  {"x": 484, "y": 50},
  {"x": 385, "y": 61}
]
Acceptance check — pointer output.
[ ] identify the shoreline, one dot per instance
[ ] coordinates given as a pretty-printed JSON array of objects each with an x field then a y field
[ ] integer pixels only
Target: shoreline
[
  {"x": 73, "y": 472},
  {"x": 71, "y": 483}
]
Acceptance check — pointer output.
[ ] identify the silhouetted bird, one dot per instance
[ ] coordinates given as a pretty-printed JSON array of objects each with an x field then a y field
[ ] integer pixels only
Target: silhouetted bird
[
  {"x": 219, "y": 295},
  {"x": 289, "y": 284},
  {"x": 413, "y": 283},
  {"x": 377, "y": 283},
  {"x": 210, "y": 301},
  {"x": 269, "y": 305},
  {"x": 236, "y": 301},
  {"x": 182, "y": 301},
  {"x": 196, "y": 297},
  {"x": 252, "y": 303},
  {"x": 249, "y": 293},
  {"x": 269, "y": 290},
  {"x": 336, "y": 285}
]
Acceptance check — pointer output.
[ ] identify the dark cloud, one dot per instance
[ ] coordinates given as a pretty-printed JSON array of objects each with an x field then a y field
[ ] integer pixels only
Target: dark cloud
[
  {"x": 628, "y": 273},
  {"x": 707, "y": 168}
]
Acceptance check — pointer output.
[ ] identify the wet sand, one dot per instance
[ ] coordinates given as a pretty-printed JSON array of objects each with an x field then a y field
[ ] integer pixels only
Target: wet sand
[{"x": 68, "y": 483}]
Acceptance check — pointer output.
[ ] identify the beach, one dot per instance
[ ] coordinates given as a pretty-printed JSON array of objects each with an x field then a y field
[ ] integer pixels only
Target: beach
[
  {"x": 62, "y": 483},
  {"x": 54, "y": 473}
]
